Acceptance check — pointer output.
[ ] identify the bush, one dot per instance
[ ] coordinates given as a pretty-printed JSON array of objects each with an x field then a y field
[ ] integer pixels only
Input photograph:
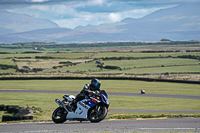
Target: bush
[
  {"x": 6, "y": 67},
  {"x": 111, "y": 67},
  {"x": 66, "y": 63}
]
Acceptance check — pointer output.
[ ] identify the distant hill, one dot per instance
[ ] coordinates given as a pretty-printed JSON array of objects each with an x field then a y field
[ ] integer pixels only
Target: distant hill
[
  {"x": 14, "y": 23},
  {"x": 177, "y": 23}
]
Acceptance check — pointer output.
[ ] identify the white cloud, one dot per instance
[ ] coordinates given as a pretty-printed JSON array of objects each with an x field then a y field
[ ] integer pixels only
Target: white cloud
[
  {"x": 114, "y": 17},
  {"x": 97, "y": 2},
  {"x": 66, "y": 13},
  {"x": 38, "y": 1}
]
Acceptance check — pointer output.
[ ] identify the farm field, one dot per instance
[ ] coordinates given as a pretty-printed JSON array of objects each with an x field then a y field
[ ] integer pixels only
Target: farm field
[
  {"x": 155, "y": 70},
  {"x": 103, "y": 59},
  {"x": 143, "y": 54},
  {"x": 87, "y": 63}
]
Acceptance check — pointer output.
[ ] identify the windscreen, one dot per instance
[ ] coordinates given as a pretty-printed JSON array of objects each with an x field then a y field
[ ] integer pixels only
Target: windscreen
[{"x": 104, "y": 93}]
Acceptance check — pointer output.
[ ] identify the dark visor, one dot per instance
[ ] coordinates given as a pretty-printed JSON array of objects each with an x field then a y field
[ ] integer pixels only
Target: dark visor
[{"x": 97, "y": 84}]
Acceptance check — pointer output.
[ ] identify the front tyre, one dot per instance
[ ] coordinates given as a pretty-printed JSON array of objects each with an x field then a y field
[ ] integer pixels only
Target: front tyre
[
  {"x": 59, "y": 115},
  {"x": 97, "y": 114}
]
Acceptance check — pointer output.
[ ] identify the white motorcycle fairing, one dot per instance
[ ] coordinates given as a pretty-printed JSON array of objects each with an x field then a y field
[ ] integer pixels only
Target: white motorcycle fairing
[{"x": 80, "y": 112}]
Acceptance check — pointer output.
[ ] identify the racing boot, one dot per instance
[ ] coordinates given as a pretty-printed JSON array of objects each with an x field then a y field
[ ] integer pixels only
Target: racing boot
[{"x": 74, "y": 105}]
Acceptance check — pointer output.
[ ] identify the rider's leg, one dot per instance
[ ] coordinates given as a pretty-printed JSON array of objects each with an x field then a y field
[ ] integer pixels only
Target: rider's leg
[{"x": 78, "y": 98}]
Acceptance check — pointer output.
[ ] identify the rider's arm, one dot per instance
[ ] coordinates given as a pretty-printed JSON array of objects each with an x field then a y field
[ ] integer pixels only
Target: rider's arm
[{"x": 87, "y": 91}]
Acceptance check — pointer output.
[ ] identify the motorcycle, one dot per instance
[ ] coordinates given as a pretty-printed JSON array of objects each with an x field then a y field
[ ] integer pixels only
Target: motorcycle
[{"x": 92, "y": 108}]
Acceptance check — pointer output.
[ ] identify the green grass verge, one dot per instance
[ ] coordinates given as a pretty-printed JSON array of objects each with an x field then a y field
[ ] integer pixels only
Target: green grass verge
[
  {"x": 152, "y": 103},
  {"x": 152, "y": 116},
  {"x": 131, "y": 86}
]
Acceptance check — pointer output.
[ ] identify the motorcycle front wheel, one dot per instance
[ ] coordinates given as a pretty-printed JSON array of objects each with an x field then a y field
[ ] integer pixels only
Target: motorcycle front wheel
[
  {"x": 97, "y": 114},
  {"x": 59, "y": 115}
]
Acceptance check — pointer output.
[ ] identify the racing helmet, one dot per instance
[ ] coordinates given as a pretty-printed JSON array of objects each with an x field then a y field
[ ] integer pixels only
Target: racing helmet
[{"x": 95, "y": 84}]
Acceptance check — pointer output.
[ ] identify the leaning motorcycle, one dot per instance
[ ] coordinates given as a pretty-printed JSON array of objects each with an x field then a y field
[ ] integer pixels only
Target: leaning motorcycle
[{"x": 92, "y": 108}]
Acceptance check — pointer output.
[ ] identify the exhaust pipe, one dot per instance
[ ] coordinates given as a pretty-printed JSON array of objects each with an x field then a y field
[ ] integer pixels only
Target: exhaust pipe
[{"x": 61, "y": 104}]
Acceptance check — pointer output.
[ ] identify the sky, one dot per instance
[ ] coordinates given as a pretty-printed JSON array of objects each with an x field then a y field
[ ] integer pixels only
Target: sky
[{"x": 74, "y": 13}]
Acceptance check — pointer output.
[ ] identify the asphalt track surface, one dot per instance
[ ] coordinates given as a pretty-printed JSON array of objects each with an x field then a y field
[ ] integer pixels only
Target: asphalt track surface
[
  {"x": 134, "y": 125},
  {"x": 109, "y": 93}
]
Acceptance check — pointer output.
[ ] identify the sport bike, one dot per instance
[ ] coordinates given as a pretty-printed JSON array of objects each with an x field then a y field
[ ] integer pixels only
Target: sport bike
[{"x": 93, "y": 108}]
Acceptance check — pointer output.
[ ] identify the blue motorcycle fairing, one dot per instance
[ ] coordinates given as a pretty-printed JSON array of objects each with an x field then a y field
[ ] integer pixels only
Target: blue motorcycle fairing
[
  {"x": 91, "y": 103},
  {"x": 104, "y": 99}
]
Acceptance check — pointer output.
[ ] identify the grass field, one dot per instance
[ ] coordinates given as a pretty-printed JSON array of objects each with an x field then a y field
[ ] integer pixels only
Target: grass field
[
  {"x": 108, "y": 85},
  {"x": 20, "y": 55},
  {"x": 44, "y": 63},
  {"x": 86, "y": 67},
  {"x": 138, "y": 54},
  {"x": 165, "y": 62},
  {"x": 6, "y": 62},
  {"x": 69, "y": 55},
  {"x": 151, "y": 62},
  {"x": 171, "y": 69},
  {"x": 47, "y": 104}
]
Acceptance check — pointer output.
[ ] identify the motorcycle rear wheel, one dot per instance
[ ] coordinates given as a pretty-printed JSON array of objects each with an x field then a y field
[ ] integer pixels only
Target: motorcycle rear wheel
[
  {"x": 59, "y": 115},
  {"x": 95, "y": 116}
]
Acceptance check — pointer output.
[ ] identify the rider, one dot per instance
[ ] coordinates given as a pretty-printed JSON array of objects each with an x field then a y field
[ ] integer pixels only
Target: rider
[{"x": 89, "y": 89}]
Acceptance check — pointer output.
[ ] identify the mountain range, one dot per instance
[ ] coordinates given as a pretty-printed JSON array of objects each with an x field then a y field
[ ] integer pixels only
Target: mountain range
[{"x": 178, "y": 23}]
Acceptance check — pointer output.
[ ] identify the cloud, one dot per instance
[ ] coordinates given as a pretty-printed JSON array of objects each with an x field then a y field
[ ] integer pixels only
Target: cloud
[
  {"x": 114, "y": 17},
  {"x": 72, "y": 13},
  {"x": 39, "y": 0},
  {"x": 97, "y": 2}
]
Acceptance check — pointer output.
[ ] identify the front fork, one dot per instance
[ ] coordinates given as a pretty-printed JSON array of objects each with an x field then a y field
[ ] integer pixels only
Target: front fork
[{"x": 96, "y": 111}]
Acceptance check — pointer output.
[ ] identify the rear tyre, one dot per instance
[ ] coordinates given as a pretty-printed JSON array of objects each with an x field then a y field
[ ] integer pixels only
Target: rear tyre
[
  {"x": 59, "y": 115},
  {"x": 97, "y": 114}
]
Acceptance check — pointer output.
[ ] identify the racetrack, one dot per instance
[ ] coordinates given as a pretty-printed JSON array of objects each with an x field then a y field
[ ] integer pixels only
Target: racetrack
[
  {"x": 188, "y": 124},
  {"x": 109, "y": 93},
  {"x": 122, "y": 94},
  {"x": 134, "y": 125}
]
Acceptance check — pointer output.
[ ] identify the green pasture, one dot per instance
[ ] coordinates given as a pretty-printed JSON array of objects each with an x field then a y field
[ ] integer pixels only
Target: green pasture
[
  {"x": 138, "y": 66},
  {"x": 97, "y": 55},
  {"x": 136, "y": 55},
  {"x": 20, "y": 55},
  {"x": 6, "y": 62},
  {"x": 151, "y": 62},
  {"x": 131, "y": 86},
  {"x": 171, "y": 69},
  {"x": 44, "y": 63},
  {"x": 69, "y": 55},
  {"x": 10, "y": 70},
  {"x": 85, "y": 67}
]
